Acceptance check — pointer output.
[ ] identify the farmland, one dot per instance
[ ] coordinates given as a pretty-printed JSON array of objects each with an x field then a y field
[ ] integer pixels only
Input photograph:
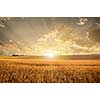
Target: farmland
[{"x": 29, "y": 70}]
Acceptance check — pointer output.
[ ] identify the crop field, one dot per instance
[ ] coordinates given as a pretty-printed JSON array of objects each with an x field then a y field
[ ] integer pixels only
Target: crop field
[{"x": 28, "y": 70}]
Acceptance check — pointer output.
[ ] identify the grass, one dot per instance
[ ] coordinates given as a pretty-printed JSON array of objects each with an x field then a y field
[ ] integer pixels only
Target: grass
[{"x": 18, "y": 70}]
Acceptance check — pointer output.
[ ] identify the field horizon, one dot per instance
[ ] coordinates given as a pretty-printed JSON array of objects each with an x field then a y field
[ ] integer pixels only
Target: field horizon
[{"x": 70, "y": 56}]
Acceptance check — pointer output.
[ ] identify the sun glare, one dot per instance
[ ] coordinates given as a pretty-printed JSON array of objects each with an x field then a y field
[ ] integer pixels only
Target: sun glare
[{"x": 50, "y": 55}]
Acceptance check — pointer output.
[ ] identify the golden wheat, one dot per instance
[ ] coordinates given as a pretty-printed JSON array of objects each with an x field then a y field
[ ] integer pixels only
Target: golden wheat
[{"x": 21, "y": 72}]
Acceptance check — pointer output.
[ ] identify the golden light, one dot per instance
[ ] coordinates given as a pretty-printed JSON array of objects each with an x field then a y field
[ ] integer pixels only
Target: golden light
[{"x": 50, "y": 54}]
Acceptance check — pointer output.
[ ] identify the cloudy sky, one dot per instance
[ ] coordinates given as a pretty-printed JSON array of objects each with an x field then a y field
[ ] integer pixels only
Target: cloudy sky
[{"x": 40, "y": 35}]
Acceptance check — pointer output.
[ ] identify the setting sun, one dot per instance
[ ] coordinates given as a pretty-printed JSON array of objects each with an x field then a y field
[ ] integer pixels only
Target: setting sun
[{"x": 50, "y": 55}]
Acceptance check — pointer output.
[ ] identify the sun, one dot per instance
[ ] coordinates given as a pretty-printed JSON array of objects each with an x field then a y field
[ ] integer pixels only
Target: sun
[{"x": 50, "y": 55}]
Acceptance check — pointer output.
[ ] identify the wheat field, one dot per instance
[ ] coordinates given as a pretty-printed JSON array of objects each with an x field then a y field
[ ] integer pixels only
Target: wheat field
[{"x": 28, "y": 70}]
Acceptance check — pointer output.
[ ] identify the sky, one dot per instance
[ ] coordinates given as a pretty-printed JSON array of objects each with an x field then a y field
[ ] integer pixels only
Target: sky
[{"x": 42, "y": 35}]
